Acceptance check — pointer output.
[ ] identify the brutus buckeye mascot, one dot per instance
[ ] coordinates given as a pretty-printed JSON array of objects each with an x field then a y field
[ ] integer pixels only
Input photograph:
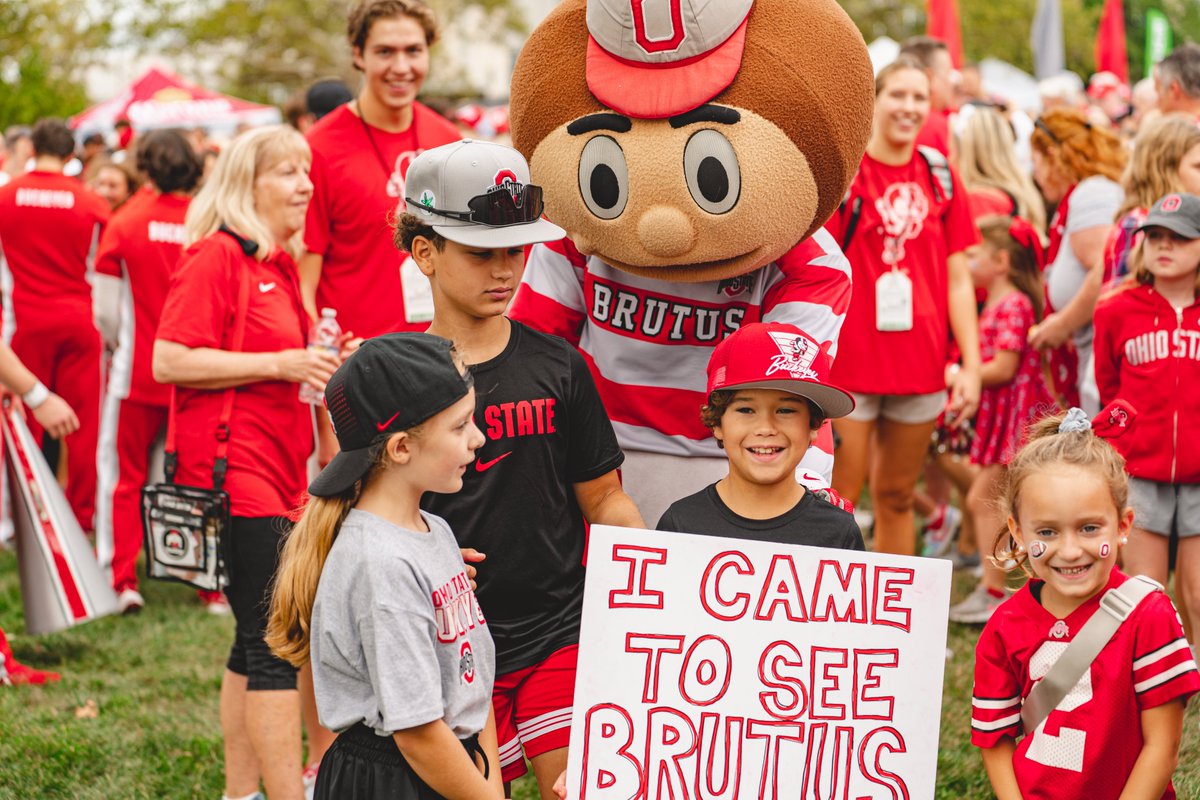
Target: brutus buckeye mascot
[{"x": 692, "y": 149}]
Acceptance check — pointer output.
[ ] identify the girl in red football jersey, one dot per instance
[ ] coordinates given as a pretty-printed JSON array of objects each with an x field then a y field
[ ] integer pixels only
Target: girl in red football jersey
[{"x": 1116, "y": 732}]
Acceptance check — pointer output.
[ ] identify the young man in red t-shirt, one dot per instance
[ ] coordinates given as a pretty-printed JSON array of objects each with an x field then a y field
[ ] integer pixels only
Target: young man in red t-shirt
[
  {"x": 934, "y": 56},
  {"x": 141, "y": 245},
  {"x": 361, "y": 152},
  {"x": 49, "y": 227}
]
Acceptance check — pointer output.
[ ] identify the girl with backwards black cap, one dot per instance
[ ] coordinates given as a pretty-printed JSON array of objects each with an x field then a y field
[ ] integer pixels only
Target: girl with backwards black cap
[{"x": 375, "y": 591}]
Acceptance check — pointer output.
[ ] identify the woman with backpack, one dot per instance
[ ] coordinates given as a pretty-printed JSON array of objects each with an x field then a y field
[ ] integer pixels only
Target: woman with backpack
[{"x": 905, "y": 227}]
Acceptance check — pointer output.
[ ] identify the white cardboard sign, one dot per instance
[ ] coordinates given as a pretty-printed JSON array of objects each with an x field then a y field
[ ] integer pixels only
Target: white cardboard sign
[{"x": 723, "y": 669}]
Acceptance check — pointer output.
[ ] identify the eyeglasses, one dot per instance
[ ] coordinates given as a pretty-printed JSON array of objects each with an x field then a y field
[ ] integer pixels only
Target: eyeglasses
[
  {"x": 1044, "y": 128},
  {"x": 496, "y": 209}
]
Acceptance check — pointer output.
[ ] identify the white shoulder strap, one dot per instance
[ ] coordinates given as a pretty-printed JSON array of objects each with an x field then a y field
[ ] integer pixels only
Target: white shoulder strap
[{"x": 1115, "y": 607}]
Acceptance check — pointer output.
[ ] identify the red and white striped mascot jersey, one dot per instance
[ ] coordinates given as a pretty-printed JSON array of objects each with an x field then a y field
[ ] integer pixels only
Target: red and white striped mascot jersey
[{"x": 648, "y": 341}]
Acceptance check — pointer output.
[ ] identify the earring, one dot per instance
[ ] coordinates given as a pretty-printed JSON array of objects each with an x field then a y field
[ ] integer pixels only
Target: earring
[{"x": 1124, "y": 540}]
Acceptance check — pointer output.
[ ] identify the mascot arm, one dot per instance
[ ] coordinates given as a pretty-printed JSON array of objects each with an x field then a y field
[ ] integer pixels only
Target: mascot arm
[
  {"x": 550, "y": 298},
  {"x": 810, "y": 288}
]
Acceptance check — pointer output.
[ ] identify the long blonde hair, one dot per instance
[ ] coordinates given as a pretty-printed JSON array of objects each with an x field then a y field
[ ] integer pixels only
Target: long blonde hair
[
  {"x": 1153, "y": 170},
  {"x": 227, "y": 197},
  {"x": 987, "y": 159},
  {"x": 304, "y": 552}
]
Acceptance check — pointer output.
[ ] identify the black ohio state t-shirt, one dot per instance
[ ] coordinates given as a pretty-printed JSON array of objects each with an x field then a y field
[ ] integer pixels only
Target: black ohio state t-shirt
[
  {"x": 812, "y": 522},
  {"x": 546, "y": 430}
]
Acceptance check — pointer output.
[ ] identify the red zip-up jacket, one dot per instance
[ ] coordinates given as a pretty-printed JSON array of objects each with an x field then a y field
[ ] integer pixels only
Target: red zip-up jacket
[{"x": 1148, "y": 353}]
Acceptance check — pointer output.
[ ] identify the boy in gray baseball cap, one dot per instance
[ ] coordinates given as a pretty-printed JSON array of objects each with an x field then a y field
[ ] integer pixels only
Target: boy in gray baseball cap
[{"x": 550, "y": 458}]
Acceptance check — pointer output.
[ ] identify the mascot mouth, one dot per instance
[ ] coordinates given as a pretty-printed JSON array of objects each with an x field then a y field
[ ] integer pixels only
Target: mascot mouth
[{"x": 667, "y": 270}]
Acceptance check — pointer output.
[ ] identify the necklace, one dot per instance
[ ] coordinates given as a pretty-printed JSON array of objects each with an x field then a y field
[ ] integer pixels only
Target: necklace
[{"x": 395, "y": 183}]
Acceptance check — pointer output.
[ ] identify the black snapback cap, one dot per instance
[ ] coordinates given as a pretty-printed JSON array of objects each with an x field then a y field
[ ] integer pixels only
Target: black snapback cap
[{"x": 390, "y": 384}]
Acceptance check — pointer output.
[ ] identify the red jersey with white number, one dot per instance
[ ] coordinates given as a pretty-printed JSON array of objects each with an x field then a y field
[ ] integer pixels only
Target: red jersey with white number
[
  {"x": 1148, "y": 353},
  {"x": 49, "y": 227},
  {"x": 907, "y": 223},
  {"x": 270, "y": 430},
  {"x": 141, "y": 244},
  {"x": 358, "y": 176},
  {"x": 647, "y": 342},
  {"x": 1087, "y": 746}
]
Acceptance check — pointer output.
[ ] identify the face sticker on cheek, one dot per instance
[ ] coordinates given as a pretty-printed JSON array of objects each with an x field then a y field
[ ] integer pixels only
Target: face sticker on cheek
[
  {"x": 1105, "y": 550},
  {"x": 1037, "y": 549}
]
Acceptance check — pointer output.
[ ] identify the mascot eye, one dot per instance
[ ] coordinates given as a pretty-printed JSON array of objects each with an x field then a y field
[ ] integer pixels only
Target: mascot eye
[
  {"x": 711, "y": 168},
  {"x": 604, "y": 177}
]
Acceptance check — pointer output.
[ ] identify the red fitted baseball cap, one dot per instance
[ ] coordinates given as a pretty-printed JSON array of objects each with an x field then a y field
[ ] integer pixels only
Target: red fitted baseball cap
[
  {"x": 656, "y": 60},
  {"x": 775, "y": 355}
]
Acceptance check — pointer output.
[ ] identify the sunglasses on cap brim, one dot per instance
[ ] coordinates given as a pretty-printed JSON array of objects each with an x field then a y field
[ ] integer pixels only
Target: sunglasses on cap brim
[{"x": 497, "y": 209}]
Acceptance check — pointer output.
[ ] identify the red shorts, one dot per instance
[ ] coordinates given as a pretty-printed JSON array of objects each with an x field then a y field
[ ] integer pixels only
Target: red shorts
[{"x": 533, "y": 710}]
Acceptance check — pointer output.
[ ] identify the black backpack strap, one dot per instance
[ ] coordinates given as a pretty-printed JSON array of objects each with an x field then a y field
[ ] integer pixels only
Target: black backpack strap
[
  {"x": 939, "y": 170},
  {"x": 855, "y": 204}
]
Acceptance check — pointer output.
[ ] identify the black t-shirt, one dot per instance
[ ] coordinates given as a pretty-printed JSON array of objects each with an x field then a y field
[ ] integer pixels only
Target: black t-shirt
[
  {"x": 546, "y": 430},
  {"x": 812, "y": 522}
]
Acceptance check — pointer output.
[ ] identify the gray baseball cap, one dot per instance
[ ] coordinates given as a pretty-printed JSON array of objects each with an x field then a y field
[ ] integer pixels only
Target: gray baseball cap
[
  {"x": 479, "y": 195},
  {"x": 1179, "y": 213}
]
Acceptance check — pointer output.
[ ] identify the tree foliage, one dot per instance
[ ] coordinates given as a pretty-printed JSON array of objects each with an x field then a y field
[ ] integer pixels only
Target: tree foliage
[
  {"x": 270, "y": 48},
  {"x": 45, "y": 45}
]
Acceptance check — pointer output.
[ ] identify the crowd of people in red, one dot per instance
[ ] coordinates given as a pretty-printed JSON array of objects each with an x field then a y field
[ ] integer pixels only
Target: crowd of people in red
[{"x": 1004, "y": 269}]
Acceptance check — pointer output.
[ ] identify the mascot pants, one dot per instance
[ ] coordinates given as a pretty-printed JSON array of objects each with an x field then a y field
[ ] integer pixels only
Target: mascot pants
[
  {"x": 128, "y": 432},
  {"x": 66, "y": 357}
]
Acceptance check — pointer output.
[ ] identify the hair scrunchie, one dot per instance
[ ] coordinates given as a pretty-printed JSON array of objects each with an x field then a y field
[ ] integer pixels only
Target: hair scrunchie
[{"x": 1075, "y": 421}]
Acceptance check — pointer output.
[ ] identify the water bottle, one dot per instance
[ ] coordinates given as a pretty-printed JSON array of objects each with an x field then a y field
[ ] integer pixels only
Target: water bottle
[{"x": 322, "y": 336}]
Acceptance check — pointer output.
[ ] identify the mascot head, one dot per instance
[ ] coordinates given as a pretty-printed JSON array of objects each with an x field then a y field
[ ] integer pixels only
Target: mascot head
[{"x": 692, "y": 140}]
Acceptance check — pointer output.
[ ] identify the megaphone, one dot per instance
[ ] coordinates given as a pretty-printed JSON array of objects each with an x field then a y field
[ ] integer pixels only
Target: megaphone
[{"x": 61, "y": 583}]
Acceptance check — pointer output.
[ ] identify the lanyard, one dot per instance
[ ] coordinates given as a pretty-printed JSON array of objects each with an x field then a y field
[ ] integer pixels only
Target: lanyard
[{"x": 387, "y": 172}]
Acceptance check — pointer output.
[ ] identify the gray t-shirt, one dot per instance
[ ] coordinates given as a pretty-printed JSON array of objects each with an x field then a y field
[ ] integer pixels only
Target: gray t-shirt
[
  {"x": 398, "y": 639},
  {"x": 1093, "y": 203}
]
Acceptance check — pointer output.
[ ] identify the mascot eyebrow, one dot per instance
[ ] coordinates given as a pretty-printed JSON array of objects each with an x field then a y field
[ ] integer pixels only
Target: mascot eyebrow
[{"x": 622, "y": 124}]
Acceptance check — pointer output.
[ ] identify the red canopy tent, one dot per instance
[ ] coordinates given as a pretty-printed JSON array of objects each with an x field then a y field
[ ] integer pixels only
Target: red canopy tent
[{"x": 162, "y": 99}]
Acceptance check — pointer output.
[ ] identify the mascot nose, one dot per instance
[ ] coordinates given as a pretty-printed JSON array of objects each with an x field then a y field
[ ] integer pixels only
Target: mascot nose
[{"x": 666, "y": 232}]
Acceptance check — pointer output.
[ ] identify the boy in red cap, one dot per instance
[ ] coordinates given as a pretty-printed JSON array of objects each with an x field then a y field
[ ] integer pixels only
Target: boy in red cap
[{"x": 767, "y": 397}]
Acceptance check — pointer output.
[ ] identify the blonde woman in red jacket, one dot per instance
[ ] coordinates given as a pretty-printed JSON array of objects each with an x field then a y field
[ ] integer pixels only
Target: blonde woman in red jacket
[{"x": 1147, "y": 351}]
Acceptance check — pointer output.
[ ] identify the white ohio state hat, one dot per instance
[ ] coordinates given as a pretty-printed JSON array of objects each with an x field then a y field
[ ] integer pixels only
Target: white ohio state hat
[
  {"x": 662, "y": 58},
  {"x": 479, "y": 195}
]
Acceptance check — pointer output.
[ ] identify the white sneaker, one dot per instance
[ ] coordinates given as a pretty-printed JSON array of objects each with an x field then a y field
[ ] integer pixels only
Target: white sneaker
[
  {"x": 310, "y": 780},
  {"x": 218, "y": 606},
  {"x": 938, "y": 538},
  {"x": 977, "y": 609},
  {"x": 130, "y": 601}
]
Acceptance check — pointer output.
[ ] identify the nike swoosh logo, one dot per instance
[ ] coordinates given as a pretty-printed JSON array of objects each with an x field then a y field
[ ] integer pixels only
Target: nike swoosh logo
[
  {"x": 380, "y": 426},
  {"x": 484, "y": 466},
  {"x": 265, "y": 287}
]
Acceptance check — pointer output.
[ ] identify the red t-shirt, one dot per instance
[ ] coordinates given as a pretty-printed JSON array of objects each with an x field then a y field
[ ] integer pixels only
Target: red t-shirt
[
  {"x": 1087, "y": 745},
  {"x": 270, "y": 429},
  {"x": 142, "y": 244},
  {"x": 904, "y": 220},
  {"x": 358, "y": 189},
  {"x": 935, "y": 132},
  {"x": 49, "y": 227}
]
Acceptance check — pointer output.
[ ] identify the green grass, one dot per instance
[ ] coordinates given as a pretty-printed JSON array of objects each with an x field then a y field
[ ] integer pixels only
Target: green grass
[{"x": 154, "y": 679}]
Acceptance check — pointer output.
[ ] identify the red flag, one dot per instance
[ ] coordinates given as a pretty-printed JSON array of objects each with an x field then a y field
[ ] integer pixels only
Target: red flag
[
  {"x": 1110, "y": 41},
  {"x": 941, "y": 22}
]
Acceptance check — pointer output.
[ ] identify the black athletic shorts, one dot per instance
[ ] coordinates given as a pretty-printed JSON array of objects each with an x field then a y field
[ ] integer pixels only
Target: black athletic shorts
[
  {"x": 360, "y": 765},
  {"x": 252, "y": 549}
]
